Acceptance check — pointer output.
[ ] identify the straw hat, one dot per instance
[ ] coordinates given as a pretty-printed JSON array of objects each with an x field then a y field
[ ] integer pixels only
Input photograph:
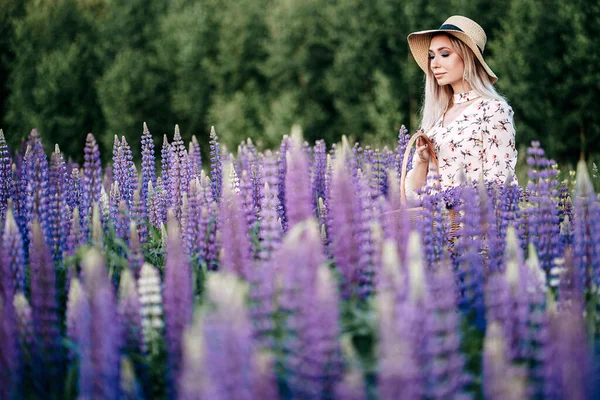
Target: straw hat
[{"x": 461, "y": 27}]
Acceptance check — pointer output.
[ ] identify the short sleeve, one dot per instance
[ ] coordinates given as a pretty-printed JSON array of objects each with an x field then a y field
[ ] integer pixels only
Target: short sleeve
[{"x": 499, "y": 152}]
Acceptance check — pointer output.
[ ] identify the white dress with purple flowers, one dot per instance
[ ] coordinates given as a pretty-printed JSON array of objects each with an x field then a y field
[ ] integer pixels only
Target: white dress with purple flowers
[{"x": 481, "y": 140}]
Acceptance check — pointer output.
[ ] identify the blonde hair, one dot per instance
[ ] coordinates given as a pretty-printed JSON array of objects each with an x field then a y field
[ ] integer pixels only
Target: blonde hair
[{"x": 439, "y": 98}]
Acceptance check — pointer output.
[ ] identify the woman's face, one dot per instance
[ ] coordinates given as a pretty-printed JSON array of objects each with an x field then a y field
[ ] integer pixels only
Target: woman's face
[{"x": 445, "y": 63}]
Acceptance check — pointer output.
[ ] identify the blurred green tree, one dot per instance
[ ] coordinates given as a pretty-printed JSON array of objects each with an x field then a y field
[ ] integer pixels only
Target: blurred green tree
[
  {"x": 548, "y": 64},
  {"x": 52, "y": 77}
]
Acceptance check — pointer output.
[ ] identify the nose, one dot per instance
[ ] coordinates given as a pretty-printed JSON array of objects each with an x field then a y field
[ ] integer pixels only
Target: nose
[{"x": 434, "y": 63}]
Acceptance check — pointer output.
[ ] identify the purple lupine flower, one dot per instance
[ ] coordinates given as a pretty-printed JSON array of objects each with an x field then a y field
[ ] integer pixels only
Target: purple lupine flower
[
  {"x": 157, "y": 203},
  {"x": 194, "y": 232},
  {"x": 178, "y": 298},
  {"x": 6, "y": 176},
  {"x": 148, "y": 168},
  {"x": 36, "y": 184},
  {"x": 510, "y": 197},
  {"x": 140, "y": 216},
  {"x": 366, "y": 249},
  {"x": 270, "y": 228},
  {"x": 151, "y": 311},
  {"x": 92, "y": 177},
  {"x": 444, "y": 368},
  {"x": 397, "y": 223},
  {"x": 400, "y": 305},
  {"x": 75, "y": 235},
  {"x": 216, "y": 170},
  {"x": 179, "y": 175},
  {"x": 403, "y": 139},
  {"x": 12, "y": 260},
  {"x": 586, "y": 220},
  {"x": 58, "y": 215},
  {"x": 352, "y": 386},
  {"x": 431, "y": 225},
  {"x": 135, "y": 257},
  {"x": 501, "y": 379},
  {"x": 318, "y": 173},
  {"x": 470, "y": 261},
  {"x": 236, "y": 248},
  {"x": 129, "y": 314},
  {"x": 97, "y": 233},
  {"x": 315, "y": 373},
  {"x": 74, "y": 189},
  {"x": 25, "y": 332},
  {"x": 76, "y": 305},
  {"x": 44, "y": 306},
  {"x": 298, "y": 197},
  {"x": 246, "y": 193},
  {"x": 99, "y": 357},
  {"x": 123, "y": 173},
  {"x": 195, "y": 156},
  {"x": 491, "y": 246},
  {"x": 164, "y": 158},
  {"x": 10, "y": 357},
  {"x": 344, "y": 227},
  {"x": 282, "y": 166},
  {"x": 545, "y": 228}
]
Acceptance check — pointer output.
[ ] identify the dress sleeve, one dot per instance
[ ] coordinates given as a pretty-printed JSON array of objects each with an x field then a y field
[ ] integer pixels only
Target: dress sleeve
[{"x": 499, "y": 151}]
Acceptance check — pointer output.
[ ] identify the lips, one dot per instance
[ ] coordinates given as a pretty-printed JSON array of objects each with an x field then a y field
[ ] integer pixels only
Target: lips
[{"x": 438, "y": 75}]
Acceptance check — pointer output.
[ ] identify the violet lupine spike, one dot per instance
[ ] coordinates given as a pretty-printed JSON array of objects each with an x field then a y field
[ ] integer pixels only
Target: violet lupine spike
[
  {"x": 431, "y": 225},
  {"x": 75, "y": 302},
  {"x": 236, "y": 250},
  {"x": 151, "y": 308},
  {"x": 542, "y": 188},
  {"x": 501, "y": 379},
  {"x": 6, "y": 176},
  {"x": 491, "y": 242},
  {"x": 75, "y": 235},
  {"x": 58, "y": 217},
  {"x": 195, "y": 156},
  {"x": 319, "y": 171},
  {"x": 282, "y": 171},
  {"x": 445, "y": 375},
  {"x": 25, "y": 333},
  {"x": 298, "y": 197},
  {"x": 178, "y": 299},
  {"x": 316, "y": 372},
  {"x": 247, "y": 199},
  {"x": 470, "y": 272},
  {"x": 100, "y": 363},
  {"x": 270, "y": 228},
  {"x": 586, "y": 219},
  {"x": 193, "y": 233},
  {"x": 148, "y": 167},
  {"x": 344, "y": 227},
  {"x": 10, "y": 357},
  {"x": 12, "y": 259},
  {"x": 352, "y": 386},
  {"x": 140, "y": 216},
  {"x": 44, "y": 306},
  {"x": 92, "y": 177},
  {"x": 366, "y": 266},
  {"x": 173, "y": 186},
  {"x": 510, "y": 198},
  {"x": 135, "y": 258},
  {"x": 74, "y": 189},
  {"x": 216, "y": 168},
  {"x": 403, "y": 139},
  {"x": 185, "y": 169},
  {"x": 256, "y": 180},
  {"x": 129, "y": 183},
  {"x": 129, "y": 314},
  {"x": 397, "y": 224},
  {"x": 164, "y": 158}
]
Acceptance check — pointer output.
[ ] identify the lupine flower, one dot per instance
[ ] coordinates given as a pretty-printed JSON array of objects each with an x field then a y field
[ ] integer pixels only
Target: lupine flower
[
  {"x": 319, "y": 171},
  {"x": 102, "y": 367},
  {"x": 246, "y": 194},
  {"x": 92, "y": 176},
  {"x": 25, "y": 332},
  {"x": 10, "y": 357},
  {"x": 129, "y": 314},
  {"x": 164, "y": 158},
  {"x": 12, "y": 259},
  {"x": 58, "y": 215},
  {"x": 178, "y": 297},
  {"x": 270, "y": 228},
  {"x": 195, "y": 157},
  {"x": 396, "y": 220},
  {"x": 403, "y": 139},
  {"x": 431, "y": 225},
  {"x": 6, "y": 176},
  {"x": 236, "y": 253},
  {"x": 77, "y": 305},
  {"x": 216, "y": 176},
  {"x": 282, "y": 167},
  {"x": 352, "y": 386},
  {"x": 75, "y": 190},
  {"x": 366, "y": 266},
  {"x": 586, "y": 217},
  {"x": 44, "y": 308},
  {"x": 298, "y": 197},
  {"x": 345, "y": 225},
  {"x": 148, "y": 167},
  {"x": 151, "y": 307},
  {"x": 501, "y": 380}
]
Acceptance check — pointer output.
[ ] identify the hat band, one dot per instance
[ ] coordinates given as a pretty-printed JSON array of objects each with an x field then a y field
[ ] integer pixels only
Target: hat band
[{"x": 450, "y": 27}]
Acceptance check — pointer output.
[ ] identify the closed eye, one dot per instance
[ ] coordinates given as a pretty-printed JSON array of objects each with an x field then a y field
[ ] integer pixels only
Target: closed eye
[{"x": 431, "y": 56}]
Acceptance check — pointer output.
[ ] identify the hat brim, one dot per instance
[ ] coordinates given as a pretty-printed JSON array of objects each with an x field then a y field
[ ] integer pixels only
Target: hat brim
[{"x": 419, "y": 47}]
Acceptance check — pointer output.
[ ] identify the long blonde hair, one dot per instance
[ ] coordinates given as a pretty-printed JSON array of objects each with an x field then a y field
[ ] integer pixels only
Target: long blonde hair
[{"x": 439, "y": 98}]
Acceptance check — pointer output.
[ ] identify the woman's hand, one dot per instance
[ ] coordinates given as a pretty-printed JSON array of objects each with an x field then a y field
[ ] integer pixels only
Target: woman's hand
[{"x": 422, "y": 151}]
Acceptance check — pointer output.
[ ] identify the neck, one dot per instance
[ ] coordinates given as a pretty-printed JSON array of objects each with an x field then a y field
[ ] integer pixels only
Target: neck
[{"x": 461, "y": 87}]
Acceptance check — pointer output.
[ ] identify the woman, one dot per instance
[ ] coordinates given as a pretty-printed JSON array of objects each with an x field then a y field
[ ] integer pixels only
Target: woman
[{"x": 470, "y": 124}]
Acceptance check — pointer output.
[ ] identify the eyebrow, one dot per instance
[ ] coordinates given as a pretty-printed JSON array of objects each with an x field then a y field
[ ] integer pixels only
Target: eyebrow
[{"x": 443, "y": 47}]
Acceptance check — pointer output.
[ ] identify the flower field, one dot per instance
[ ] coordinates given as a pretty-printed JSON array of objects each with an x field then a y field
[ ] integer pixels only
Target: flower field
[{"x": 291, "y": 274}]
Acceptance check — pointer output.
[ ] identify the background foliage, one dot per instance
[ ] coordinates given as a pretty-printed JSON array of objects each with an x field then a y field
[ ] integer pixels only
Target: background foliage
[{"x": 252, "y": 68}]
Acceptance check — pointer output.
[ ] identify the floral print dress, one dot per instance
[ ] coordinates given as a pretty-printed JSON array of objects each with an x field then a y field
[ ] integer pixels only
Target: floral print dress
[{"x": 481, "y": 140}]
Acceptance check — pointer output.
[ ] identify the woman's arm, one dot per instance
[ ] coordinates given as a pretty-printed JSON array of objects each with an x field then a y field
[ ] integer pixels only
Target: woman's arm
[
  {"x": 417, "y": 176},
  {"x": 499, "y": 151}
]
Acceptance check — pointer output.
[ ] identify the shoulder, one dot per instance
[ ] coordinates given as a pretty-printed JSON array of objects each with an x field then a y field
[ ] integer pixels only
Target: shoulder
[{"x": 499, "y": 108}]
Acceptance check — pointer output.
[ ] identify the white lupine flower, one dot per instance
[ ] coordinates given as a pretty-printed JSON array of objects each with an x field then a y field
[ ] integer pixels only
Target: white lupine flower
[{"x": 151, "y": 307}]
